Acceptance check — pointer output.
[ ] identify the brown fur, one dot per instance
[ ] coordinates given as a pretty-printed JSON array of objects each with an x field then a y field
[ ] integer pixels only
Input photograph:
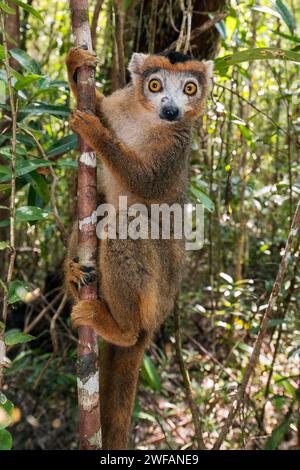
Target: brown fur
[{"x": 146, "y": 159}]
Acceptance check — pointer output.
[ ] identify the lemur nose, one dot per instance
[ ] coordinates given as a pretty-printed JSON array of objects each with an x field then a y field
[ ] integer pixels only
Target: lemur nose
[{"x": 170, "y": 113}]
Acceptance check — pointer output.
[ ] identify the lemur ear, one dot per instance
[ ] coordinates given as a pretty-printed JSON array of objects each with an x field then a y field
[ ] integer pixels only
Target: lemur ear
[
  {"x": 136, "y": 62},
  {"x": 210, "y": 68}
]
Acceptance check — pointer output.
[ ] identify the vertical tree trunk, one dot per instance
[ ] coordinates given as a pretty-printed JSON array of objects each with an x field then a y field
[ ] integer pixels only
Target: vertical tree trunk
[{"x": 87, "y": 364}]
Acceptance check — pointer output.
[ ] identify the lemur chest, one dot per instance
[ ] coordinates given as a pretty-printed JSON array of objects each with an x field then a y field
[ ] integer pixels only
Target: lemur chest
[{"x": 131, "y": 133}]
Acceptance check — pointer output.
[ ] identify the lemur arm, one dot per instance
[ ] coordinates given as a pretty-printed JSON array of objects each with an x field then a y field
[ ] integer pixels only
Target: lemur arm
[
  {"x": 78, "y": 57},
  {"x": 146, "y": 179}
]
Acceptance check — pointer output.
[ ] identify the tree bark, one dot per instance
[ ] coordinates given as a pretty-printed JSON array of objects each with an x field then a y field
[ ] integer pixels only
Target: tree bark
[{"x": 87, "y": 364}]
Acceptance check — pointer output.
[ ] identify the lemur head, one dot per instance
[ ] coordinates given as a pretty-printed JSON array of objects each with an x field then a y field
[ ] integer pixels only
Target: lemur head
[{"x": 174, "y": 86}]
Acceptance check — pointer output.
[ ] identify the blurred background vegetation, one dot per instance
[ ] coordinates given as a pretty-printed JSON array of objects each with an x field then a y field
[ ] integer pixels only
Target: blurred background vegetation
[{"x": 244, "y": 169}]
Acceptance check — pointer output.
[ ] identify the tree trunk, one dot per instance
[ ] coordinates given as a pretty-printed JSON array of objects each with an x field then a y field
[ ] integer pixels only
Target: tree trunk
[{"x": 87, "y": 365}]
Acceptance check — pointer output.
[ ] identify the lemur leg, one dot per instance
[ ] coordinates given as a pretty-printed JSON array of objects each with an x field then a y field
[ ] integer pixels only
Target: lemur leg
[{"x": 124, "y": 280}]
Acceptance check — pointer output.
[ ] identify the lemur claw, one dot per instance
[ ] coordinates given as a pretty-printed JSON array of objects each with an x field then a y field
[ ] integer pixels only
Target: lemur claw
[{"x": 81, "y": 275}]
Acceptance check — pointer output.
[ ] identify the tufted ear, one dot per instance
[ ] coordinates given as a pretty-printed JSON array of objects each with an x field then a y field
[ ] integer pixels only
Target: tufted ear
[
  {"x": 209, "y": 64},
  {"x": 136, "y": 62}
]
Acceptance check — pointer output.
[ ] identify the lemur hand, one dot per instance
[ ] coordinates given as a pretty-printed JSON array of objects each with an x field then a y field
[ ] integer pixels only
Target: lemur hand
[
  {"x": 89, "y": 127},
  {"x": 79, "y": 57}
]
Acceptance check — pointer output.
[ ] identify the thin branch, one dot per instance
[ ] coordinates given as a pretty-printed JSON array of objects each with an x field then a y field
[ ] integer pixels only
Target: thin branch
[
  {"x": 263, "y": 329},
  {"x": 186, "y": 381},
  {"x": 119, "y": 33},
  {"x": 95, "y": 18},
  {"x": 12, "y": 214},
  {"x": 200, "y": 29},
  {"x": 189, "y": 26}
]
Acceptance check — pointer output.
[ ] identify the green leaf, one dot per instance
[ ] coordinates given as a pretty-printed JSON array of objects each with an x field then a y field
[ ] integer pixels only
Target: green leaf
[
  {"x": 37, "y": 109},
  {"x": 27, "y": 213},
  {"x": 4, "y": 245},
  {"x": 64, "y": 145},
  {"x": 6, "y": 408},
  {"x": 30, "y": 9},
  {"x": 278, "y": 433},
  {"x": 5, "y": 440},
  {"x": 150, "y": 374},
  {"x": 39, "y": 184},
  {"x": 17, "y": 337},
  {"x": 285, "y": 14},
  {"x": 27, "y": 62},
  {"x": 23, "y": 167},
  {"x": 17, "y": 290},
  {"x": 2, "y": 55},
  {"x": 7, "y": 9},
  {"x": 267, "y": 10},
  {"x": 5, "y": 187},
  {"x": 259, "y": 53},
  {"x": 67, "y": 163},
  {"x": 25, "y": 81},
  {"x": 202, "y": 198},
  {"x": 221, "y": 28},
  {"x": 293, "y": 38}
]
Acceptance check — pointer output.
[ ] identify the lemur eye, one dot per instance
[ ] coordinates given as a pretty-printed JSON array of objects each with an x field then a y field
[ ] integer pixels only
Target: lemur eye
[
  {"x": 190, "y": 88},
  {"x": 154, "y": 85}
]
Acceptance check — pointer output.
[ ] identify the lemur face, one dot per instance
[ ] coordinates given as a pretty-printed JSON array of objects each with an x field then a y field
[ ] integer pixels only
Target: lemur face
[{"x": 173, "y": 87}]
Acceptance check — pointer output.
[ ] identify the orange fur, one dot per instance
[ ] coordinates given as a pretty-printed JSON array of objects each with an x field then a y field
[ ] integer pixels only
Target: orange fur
[{"x": 147, "y": 159}]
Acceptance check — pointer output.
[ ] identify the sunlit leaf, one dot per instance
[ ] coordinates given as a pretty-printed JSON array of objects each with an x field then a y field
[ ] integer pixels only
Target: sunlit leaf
[
  {"x": 150, "y": 374},
  {"x": 25, "y": 81},
  {"x": 28, "y": 213},
  {"x": 202, "y": 198},
  {"x": 260, "y": 53},
  {"x": 29, "y": 8},
  {"x": 7, "y": 9},
  {"x": 27, "y": 62},
  {"x": 285, "y": 14}
]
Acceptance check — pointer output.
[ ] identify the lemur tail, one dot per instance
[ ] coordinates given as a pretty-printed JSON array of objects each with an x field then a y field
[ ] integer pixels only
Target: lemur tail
[{"x": 119, "y": 373}]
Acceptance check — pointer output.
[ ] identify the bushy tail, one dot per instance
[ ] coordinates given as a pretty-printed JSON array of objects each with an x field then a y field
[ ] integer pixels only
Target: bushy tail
[{"x": 119, "y": 373}]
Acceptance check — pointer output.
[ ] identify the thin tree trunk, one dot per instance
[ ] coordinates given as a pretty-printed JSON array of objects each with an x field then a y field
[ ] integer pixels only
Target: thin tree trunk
[
  {"x": 94, "y": 24},
  {"x": 87, "y": 364},
  {"x": 119, "y": 41}
]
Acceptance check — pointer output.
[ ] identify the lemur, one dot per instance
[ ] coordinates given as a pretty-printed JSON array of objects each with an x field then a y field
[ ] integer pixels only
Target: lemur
[{"x": 142, "y": 135}]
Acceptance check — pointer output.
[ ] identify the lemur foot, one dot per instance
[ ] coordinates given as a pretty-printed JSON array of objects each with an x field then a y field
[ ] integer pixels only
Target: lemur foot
[
  {"x": 85, "y": 312},
  {"x": 79, "y": 274},
  {"x": 79, "y": 57}
]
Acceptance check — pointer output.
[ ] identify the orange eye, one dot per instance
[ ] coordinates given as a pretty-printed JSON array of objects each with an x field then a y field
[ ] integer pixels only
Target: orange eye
[
  {"x": 190, "y": 88},
  {"x": 154, "y": 85}
]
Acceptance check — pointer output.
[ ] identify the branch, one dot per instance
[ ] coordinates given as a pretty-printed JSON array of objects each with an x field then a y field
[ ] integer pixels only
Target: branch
[
  {"x": 200, "y": 30},
  {"x": 94, "y": 24},
  {"x": 88, "y": 350},
  {"x": 12, "y": 214},
  {"x": 263, "y": 328},
  {"x": 119, "y": 42}
]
